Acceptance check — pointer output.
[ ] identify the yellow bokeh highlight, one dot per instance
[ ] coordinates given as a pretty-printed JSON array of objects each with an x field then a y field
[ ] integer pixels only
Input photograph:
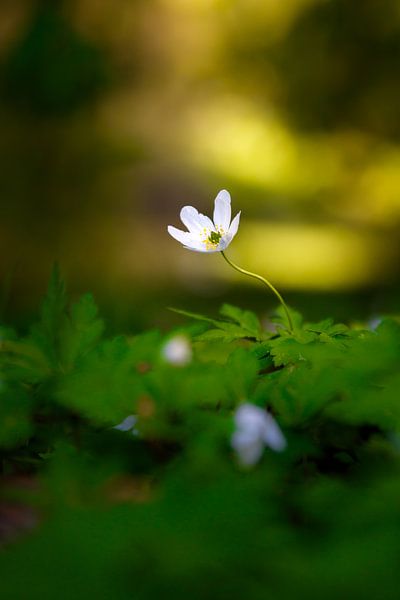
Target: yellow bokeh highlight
[
  {"x": 379, "y": 187},
  {"x": 355, "y": 175},
  {"x": 319, "y": 257},
  {"x": 237, "y": 139}
]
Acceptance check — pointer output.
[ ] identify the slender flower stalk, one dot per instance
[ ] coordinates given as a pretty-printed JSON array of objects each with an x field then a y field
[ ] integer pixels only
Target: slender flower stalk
[{"x": 266, "y": 282}]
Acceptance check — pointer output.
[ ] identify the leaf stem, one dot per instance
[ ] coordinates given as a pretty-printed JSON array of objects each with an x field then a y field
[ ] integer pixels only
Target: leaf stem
[{"x": 266, "y": 282}]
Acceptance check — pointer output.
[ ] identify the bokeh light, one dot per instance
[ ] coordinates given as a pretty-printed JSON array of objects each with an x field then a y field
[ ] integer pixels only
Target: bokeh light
[{"x": 113, "y": 117}]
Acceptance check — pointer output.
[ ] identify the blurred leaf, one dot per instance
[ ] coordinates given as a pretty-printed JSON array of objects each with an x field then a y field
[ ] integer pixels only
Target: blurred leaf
[
  {"x": 241, "y": 373},
  {"x": 105, "y": 384},
  {"x": 168, "y": 492},
  {"x": 83, "y": 330},
  {"x": 15, "y": 415},
  {"x": 46, "y": 333},
  {"x": 64, "y": 336}
]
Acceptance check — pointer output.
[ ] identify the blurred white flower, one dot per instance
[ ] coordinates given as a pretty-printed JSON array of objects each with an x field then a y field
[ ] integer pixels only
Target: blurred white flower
[
  {"x": 177, "y": 351},
  {"x": 255, "y": 429},
  {"x": 128, "y": 424},
  {"x": 374, "y": 322},
  {"x": 203, "y": 235}
]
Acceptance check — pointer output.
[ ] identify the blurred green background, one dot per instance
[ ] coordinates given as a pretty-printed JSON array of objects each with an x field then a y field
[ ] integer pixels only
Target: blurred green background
[{"x": 114, "y": 115}]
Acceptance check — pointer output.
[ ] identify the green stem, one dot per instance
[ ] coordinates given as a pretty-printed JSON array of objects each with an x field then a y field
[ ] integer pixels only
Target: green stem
[{"x": 267, "y": 283}]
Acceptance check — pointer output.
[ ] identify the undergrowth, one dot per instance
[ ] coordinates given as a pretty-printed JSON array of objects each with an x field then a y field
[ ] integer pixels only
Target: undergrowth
[{"x": 165, "y": 508}]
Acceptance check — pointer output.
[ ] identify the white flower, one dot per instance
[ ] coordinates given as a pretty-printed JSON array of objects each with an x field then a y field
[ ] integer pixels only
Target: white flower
[
  {"x": 128, "y": 424},
  {"x": 203, "y": 235},
  {"x": 177, "y": 351},
  {"x": 374, "y": 322},
  {"x": 255, "y": 429}
]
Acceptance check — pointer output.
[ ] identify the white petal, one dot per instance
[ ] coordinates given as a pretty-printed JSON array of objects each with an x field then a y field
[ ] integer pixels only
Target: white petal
[
  {"x": 189, "y": 217},
  {"x": 222, "y": 210},
  {"x": 273, "y": 436},
  {"x": 251, "y": 418},
  {"x": 197, "y": 245},
  {"x": 248, "y": 448},
  {"x": 127, "y": 424},
  {"x": 184, "y": 237},
  {"x": 234, "y": 226},
  {"x": 177, "y": 351},
  {"x": 216, "y": 249},
  {"x": 196, "y": 248},
  {"x": 374, "y": 322},
  {"x": 206, "y": 222},
  {"x": 195, "y": 221}
]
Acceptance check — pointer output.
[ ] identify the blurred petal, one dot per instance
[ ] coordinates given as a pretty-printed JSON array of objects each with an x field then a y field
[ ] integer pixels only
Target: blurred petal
[
  {"x": 273, "y": 436},
  {"x": 127, "y": 424},
  {"x": 222, "y": 210},
  {"x": 251, "y": 418},
  {"x": 177, "y": 351},
  {"x": 248, "y": 448}
]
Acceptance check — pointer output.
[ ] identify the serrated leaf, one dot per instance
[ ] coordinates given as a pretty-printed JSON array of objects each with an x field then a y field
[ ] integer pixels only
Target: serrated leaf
[
  {"x": 227, "y": 332},
  {"x": 106, "y": 382},
  {"x": 83, "y": 329},
  {"x": 280, "y": 318},
  {"x": 285, "y": 351},
  {"x": 216, "y": 334},
  {"x": 22, "y": 361},
  {"x": 328, "y": 328},
  {"x": 62, "y": 335},
  {"x": 320, "y": 326},
  {"x": 232, "y": 331},
  {"x": 46, "y": 333},
  {"x": 245, "y": 318}
]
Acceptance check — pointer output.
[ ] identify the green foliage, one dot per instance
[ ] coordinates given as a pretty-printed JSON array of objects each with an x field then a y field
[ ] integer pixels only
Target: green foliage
[
  {"x": 15, "y": 416},
  {"x": 237, "y": 324},
  {"x": 64, "y": 336},
  {"x": 165, "y": 505}
]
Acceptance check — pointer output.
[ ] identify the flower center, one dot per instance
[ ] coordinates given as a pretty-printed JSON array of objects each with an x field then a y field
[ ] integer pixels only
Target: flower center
[
  {"x": 214, "y": 238},
  {"x": 211, "y": 239}
]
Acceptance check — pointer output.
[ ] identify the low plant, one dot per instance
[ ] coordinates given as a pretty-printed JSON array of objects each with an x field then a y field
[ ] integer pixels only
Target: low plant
[{"x": 228, "y": 458}]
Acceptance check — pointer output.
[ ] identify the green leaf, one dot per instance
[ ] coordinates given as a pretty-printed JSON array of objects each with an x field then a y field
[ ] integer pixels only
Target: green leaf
[
  {"x": 241, "y": 372},
  {"x": 106, "y": 382},
  {"x": 280, "y": 318},
  {"x": 15, "y": 415},
  {"x": 83, "y": 329},
  {"x": 327, "y": 328},
  {"x": 63, "y": 335},
  {"x": 245, "y": 324},
  {"x": 287, "y": 350},
  {"x": 46, "y": 333},
  {"x": 23, "y": 362},
  {"x": 228, "y": 333},
  {"x": 247, "y": 320}
]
